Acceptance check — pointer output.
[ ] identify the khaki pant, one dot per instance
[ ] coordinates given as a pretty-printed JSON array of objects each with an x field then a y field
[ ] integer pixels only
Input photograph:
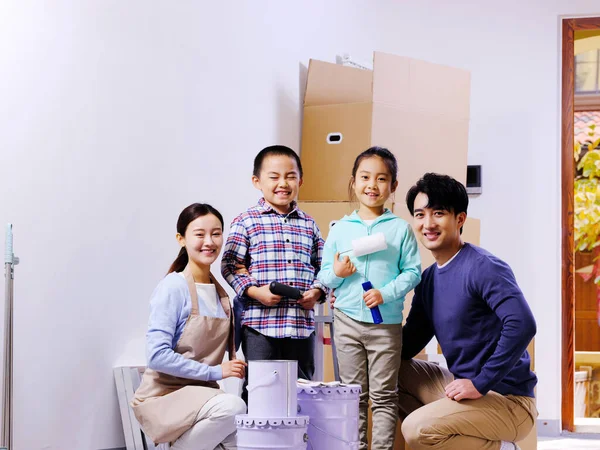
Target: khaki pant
[
  {"x": 215, "y": 426},
  {"x": 369, "y": 355},
  {"x": 436, "y": 422}
]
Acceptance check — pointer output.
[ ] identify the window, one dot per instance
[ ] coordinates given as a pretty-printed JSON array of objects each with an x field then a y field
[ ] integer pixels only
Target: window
[{"x": 587, "y": 72}]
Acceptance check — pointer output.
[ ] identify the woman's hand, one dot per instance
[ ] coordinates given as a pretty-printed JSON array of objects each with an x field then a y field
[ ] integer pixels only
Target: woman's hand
[
  {"x": 234, "y": 368},
  {"x": 343, "y": 268},
  {"x": 241, "y": 269}
]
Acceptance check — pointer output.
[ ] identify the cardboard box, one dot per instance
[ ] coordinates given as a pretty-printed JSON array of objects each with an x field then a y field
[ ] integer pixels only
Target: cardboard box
[{"x": 419, "y": 110}]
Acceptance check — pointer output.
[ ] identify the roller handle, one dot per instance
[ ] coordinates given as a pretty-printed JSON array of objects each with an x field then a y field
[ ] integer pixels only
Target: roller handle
[
  {"x": 375, "y": 313},
  {"x": 284, "y": 290}
]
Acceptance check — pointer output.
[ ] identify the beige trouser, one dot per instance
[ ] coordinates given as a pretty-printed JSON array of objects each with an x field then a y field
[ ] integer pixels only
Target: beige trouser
[
  {"x": 436, "y": 422},
  {"x": 215, "y": 426},
  {"x": 369, "y": 355}
]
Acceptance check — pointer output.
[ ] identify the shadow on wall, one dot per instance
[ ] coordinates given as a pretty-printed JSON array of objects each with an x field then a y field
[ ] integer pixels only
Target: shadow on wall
[{"x": 288, "y": 114}]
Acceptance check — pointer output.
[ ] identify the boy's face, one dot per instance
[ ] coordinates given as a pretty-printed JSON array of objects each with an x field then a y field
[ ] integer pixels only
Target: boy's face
[
  {"x": 437, "y": 229},
  {"x": 279, "y": 181}
]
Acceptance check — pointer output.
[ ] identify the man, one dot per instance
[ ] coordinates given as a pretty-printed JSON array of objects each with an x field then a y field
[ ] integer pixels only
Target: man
[{"x": 470, "y": 301}]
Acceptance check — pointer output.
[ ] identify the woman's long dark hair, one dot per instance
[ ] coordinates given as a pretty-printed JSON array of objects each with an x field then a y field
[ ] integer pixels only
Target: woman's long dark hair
[{"x": 187, "y": 216}]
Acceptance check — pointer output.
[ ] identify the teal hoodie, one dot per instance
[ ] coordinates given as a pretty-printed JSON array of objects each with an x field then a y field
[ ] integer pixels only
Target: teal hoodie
[{"x": 394, "y": 271}]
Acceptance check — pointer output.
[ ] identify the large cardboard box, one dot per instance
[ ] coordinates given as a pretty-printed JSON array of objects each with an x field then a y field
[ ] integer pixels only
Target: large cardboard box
[{"x": 419, "y": 110}]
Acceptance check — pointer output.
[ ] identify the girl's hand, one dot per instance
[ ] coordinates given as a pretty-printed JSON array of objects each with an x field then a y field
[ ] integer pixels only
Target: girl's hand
[
  {"x": 343, "y": 268},
  {"x": 309, "y": 298},
  {"x": 234, "y": 368},
  {"x": 373, "y": 298}
]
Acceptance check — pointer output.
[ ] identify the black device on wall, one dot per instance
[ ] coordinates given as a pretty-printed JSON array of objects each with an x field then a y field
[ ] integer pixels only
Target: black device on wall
[{"x": 473, "y": 179}]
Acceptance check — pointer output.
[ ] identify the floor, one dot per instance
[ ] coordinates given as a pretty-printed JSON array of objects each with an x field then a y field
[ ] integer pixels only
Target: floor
[{"x": 583, "y": 442}]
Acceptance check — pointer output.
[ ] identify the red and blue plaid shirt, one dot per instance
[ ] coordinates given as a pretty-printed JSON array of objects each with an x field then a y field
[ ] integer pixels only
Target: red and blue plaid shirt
[{"x": 274, "y": 247}]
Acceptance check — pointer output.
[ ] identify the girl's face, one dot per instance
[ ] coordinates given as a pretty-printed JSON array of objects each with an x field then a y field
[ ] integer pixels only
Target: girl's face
[
  {"x": 373, "y": 182},
  {"x": 203, "y": 239}
]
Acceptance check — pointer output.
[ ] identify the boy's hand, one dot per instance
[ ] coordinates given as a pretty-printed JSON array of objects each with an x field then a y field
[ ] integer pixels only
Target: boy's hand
[
  {"x": 234, "y": 368},
  {"x": 343, "y": 268},
  {"x": 263, "y": 295},
  {"x": 309, "y": 298},
  {"x": 373, "y": 298},
  {"x": 241, "y": 269}
]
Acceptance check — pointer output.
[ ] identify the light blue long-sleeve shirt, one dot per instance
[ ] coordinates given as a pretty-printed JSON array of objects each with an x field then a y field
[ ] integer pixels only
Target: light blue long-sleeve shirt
[
  {"x": 170, "y": 307},
  {"x": 394, "y": 271}
]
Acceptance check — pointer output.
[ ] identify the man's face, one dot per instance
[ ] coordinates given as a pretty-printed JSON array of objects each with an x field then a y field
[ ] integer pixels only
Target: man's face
[{"x": 437, "y": 229}]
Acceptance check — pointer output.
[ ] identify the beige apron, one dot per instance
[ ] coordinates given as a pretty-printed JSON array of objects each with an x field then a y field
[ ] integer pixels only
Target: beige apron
[{"x": 166, "y": 406}]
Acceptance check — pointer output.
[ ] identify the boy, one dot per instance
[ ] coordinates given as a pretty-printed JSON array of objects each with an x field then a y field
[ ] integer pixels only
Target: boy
[{"x": 275, "y": 241}]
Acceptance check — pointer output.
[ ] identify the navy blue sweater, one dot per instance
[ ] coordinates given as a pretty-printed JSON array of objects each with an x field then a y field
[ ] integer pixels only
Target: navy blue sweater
[{"x": 481, "y": 320}]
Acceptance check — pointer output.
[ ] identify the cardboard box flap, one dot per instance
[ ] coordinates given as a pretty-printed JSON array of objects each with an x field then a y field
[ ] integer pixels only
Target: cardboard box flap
[
  {"x": 408, "y": 83},
  {"x": 330, "y": 84}
]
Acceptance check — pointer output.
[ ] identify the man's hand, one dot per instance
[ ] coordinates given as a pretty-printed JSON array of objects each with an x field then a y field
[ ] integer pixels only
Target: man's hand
[
  {"x": 309, "y": 298},
  {"x": 263, "y": 295},
  {"x": 332, "y": 299},
  {"x": 373, "y": 298},
  {"x": 462, "y": 390},
  {"x": 343, "y": 268}
]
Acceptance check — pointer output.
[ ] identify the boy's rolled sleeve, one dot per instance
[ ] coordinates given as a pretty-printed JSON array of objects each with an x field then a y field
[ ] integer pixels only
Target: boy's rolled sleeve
[{"x": 236, "y": 253}]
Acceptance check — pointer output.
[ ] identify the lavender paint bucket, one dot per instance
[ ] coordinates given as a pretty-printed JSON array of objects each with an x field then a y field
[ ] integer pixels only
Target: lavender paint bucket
[
  {"x": 333, "y": 413},
  {"x": 282, "y": 433}
]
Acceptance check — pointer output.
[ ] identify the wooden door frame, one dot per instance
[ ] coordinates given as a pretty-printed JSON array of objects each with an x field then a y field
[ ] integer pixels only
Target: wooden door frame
[{"x": 569, "y": 26}]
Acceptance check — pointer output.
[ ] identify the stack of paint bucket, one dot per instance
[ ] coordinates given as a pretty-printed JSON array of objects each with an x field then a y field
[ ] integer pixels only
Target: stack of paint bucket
[
  {"x": 272, "y": 421},
  {"x": 333, "y": 412}
]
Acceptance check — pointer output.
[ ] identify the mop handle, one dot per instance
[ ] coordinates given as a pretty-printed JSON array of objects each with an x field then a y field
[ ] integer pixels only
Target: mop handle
[
  {"x": 8, "y": 251},
  {"x": 375, "y": 313},
  {"x": 285, "y": 290}
]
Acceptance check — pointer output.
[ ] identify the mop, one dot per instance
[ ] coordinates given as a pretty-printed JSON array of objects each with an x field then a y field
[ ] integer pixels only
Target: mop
[
  {"x": 10, "y": 260},
  {"x": 360, "y": 247}
]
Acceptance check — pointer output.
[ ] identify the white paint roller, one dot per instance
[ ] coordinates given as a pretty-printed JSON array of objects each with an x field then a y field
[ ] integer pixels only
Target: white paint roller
[{"x": 367, "y": 245}]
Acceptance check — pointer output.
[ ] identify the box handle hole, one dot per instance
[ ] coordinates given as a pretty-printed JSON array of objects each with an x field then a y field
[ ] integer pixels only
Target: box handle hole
[{"x": 334, "y": 138}]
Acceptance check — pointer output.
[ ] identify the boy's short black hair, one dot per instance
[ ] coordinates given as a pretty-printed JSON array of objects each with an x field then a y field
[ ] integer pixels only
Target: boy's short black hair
[
  {"x": 275, "y": 150},
  {"x": 443, "y": 192}
]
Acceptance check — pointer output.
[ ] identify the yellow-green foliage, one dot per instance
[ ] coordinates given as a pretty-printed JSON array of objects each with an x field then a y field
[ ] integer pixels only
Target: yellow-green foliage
[{"x": 587, "y": 196}]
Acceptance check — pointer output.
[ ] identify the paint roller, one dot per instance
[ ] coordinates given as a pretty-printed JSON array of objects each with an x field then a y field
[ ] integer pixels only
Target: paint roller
[
  {"x": 368, "y": 245},
  {"x": 285, "y": 290}
]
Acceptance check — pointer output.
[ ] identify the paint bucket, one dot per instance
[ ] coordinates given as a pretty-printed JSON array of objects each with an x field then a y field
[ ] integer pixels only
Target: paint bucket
[
  {"x": 282, "y": 433},
  {"x": 272, "y": 388},
  {"x": 333, "y": 413}
]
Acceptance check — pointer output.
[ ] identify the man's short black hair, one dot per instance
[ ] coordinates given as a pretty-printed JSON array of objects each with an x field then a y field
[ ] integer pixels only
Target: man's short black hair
[
  {"x": 443, "y": 192},
  {"x": 275, "y": 150}
]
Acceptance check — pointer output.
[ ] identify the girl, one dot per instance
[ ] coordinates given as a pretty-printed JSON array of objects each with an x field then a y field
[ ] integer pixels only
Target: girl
[
  {"x": 369, "y": 354},
  {"x": 190, "y": 327}
]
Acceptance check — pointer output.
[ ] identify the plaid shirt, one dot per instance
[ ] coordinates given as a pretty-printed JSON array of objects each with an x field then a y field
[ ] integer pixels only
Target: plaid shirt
[{"x": 274, "y": 247}]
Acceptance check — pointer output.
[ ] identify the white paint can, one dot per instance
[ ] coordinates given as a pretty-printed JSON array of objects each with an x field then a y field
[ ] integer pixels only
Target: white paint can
[{"x": 272, "y": 388}]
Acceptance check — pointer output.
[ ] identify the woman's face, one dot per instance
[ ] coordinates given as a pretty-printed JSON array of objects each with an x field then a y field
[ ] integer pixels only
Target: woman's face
[{"x": 203, "y": 239}]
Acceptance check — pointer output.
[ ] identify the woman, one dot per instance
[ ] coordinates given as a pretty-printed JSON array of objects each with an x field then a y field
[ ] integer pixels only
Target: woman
[{"x": 190, "y": 327}]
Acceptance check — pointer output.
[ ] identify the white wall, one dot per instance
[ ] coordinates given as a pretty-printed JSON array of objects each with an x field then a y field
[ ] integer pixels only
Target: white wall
[{"x": 116, "y": 115}]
